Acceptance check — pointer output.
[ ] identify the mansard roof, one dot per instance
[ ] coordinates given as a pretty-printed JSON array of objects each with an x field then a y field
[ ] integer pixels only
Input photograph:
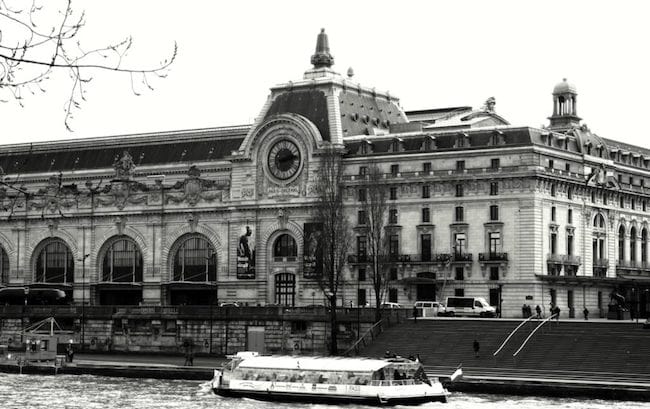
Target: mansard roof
[{"x": 100, "y": 153}]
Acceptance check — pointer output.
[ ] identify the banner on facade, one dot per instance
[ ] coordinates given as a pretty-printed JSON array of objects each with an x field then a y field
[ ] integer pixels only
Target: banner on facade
[
  {"x": 246, "y": 254},
  {"x": 313, "y": 251}
]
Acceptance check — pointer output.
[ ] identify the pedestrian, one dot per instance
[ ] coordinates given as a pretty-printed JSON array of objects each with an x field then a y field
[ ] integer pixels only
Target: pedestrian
[
  {"x": 586, "y": 313},
  {"x": 477, "y": 346},
  {"x": 557, "y": 313},
  {"x": 69, "y": 353},
  {"x": 415, "y": 314},
  {"x": 538, "y": 310}
]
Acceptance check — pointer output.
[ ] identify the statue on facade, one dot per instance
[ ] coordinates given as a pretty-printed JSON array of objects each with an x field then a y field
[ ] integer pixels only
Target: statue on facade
[{"x": 124, "y": 166}]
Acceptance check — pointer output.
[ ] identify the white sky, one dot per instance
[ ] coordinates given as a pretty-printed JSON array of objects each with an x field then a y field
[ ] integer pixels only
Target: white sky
[{"x": 428, "y": 53}]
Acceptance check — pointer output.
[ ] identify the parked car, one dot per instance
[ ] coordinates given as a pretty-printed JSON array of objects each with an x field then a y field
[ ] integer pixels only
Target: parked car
[
  {"x": 390, "y": 305},
  {"x": 229, "y": 304},
  {"x": 428, "y": 308}
]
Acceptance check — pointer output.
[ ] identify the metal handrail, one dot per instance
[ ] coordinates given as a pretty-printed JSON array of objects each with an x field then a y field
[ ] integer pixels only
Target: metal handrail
[
  {"x": 532, "y": 333},
  {"x": 513, "y": 333},
  {"x": 355, "y": 346}
]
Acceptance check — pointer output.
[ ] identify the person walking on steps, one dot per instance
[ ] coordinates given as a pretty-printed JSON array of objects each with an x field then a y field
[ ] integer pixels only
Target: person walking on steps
[
  {"x": 538, "y": 310},
  {"x": 476, "y": 346}
]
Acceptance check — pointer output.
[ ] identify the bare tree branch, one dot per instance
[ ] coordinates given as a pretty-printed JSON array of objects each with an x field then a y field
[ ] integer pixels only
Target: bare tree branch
[{"x": 30, "y": 54}]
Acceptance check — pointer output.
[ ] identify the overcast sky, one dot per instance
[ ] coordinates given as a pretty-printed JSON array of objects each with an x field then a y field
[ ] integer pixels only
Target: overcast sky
[{"x": 430, "y": 54}]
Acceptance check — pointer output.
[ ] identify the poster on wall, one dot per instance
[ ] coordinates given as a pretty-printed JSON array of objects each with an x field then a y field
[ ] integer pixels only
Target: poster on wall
[
  {"x": 313, "y": 251},
  {"x": 246, "y": 254}
]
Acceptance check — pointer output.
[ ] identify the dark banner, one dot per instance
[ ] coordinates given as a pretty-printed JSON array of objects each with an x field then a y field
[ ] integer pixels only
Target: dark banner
[
  {"x": 246, "y": 254},
  {"x": 312, "y": 258}
]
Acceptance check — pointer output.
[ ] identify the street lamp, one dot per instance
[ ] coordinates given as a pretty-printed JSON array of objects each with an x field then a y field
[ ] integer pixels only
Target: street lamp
[{"x": 83, "y": 298}]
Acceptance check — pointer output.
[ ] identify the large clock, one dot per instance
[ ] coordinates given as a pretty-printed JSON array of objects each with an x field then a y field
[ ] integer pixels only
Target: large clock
[{"x": 284, "y": 159}]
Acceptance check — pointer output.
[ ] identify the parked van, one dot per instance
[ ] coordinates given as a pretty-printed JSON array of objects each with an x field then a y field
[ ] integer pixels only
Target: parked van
[
  {"x": 428, "y": 308},
  {"x": 469, "y": 306}
]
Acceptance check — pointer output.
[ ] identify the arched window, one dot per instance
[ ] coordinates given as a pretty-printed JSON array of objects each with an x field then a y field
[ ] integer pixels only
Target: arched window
[
  {"x": 633, "y": 244},
  {"x": 195, "y": 260},
  {"x": 599, "y": 221},
  {"x": 285, "y": 289},
  {"x": 644, "y": 245},
  {"x": 621, "y": 243},
  {"x": 122, "y": 262},
  {"x": 285, "y": 246},
  {"x": 4, "y": 267},
  {"x": 55, "y": 263}
]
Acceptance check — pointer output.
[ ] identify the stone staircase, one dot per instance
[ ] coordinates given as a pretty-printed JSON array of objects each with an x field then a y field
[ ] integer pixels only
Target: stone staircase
[{"x": 567, "y": 345}]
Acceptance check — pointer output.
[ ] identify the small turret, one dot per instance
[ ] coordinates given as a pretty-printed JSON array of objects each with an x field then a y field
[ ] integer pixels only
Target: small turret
[{"x": 565, "y": 113}]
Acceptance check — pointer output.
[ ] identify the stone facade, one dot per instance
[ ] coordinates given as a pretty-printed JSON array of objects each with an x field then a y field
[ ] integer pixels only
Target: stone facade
[{"x": 517, "y": 215}]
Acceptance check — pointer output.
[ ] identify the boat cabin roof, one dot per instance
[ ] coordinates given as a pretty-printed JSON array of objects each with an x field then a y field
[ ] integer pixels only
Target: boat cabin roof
[{"x": 314, "y": 363}]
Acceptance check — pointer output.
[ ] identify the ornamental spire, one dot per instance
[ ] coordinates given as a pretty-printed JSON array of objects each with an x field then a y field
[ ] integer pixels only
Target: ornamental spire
[{"x": 322, "y": 56}]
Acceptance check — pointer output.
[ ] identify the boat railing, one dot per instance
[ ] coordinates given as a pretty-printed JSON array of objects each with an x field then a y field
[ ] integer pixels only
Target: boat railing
[
  {"x": 533, "y": 333},
  {"x": 397, "y": 382},
  {"x": 513, "y": 333}
]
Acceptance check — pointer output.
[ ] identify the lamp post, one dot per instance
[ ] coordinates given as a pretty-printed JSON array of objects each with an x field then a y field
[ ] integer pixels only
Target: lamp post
[{"x": 83, "y": 298}]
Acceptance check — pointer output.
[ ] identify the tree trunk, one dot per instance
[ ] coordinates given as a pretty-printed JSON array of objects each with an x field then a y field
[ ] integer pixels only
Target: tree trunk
[{"x": 334, "y": 327}]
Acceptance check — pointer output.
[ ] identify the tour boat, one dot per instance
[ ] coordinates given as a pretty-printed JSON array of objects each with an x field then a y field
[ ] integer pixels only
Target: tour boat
[{"x": 391, "y": 381}]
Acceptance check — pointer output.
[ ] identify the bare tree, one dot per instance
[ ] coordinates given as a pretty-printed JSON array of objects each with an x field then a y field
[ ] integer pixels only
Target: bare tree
[
  {"x": 335, "y": 233},
  {"x": 375, "y": 208},
  {"x": 37, "y": 41}
]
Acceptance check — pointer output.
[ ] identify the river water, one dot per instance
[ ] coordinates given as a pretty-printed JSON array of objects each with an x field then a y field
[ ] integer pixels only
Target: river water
[{"x": 87, "y": 392}]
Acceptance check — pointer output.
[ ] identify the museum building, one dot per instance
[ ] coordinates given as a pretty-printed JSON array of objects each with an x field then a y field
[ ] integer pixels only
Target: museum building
[{"x": 476, "y": 207}]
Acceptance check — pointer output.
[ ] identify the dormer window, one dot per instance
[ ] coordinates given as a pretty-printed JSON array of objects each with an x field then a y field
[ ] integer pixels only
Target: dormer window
[
  {"x": 462, "y": 141},
  {"x": 428, "y": 143},
  {"x": 396, "y": 145},
  {"x": 496, "y": 139},
  {"x": 365, "y": 147}
]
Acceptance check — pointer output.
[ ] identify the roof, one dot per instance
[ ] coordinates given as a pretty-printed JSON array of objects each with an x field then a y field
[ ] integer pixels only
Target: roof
[
  {"x": 314, "y": 363},
  {"x": 564, "y": 87},
  {"x": 101, "y": 153}
]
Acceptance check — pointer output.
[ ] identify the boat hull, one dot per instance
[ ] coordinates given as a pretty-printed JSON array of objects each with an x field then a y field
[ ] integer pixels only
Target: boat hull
[{"x": 285, "y": 396}]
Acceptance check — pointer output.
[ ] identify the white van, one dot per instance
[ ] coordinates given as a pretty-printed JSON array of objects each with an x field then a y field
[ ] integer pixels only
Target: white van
[
  {"x": 469, "y": 306},
  {"x": 428, "y": 308}
]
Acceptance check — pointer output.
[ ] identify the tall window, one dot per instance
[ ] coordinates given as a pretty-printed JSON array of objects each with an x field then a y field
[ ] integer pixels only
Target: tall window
[
  {"x": 285, "y": 246},
  {"x": 494, "y": 188},
  {"x": 425, "y": 191},
  {"x": 426, "y": 215},
  {"x": 362, "y": 274},
  {"x": 569, "y": 194},
  {"x": 393, "y": 246},
  {"x": 393, "y": 193},
  {"x": 285, "y": 289},
  {"x": 459, "y": 190},
  {"x": 494, "y": 212},
  {"x": 460, "y": 165},
  {"x": 55, "y": 263},
  {"x": 494, "y": 273},
  {"x": 4, "y": 267},
  {"x": 392, "y": 216},
  {"x": 569, "y": 216},
  {"x": 553, "y": 189},
  {"x": 361, "y": 217},
  {"x": 362, "y": 248},
  {"x": 122, "y": 262},
  {"x": 495, "y": 242},
  {"x": 460, "y": 243},
  {"x": 460, "y": 273},
  {"x": 553, "y": 243},
  {"x": 569, "y": 244},
  {"x": 553, "y": 213},
  {"x": 425, "y": 246},
  {"x": 644, "y": 245},
  {"x": 633, "y": 244},
  {"x": 426, "y": 167},
  {"x": 394, "y": 170},
  {"x": 362, "y": 195},
  {"x": 495, "y": 163},
  {"x": 363, "y": 170},
  {"x": 459, "y": 214},
  {"x": 621, "y": 243},
  {"x": 195, "y": 260}
]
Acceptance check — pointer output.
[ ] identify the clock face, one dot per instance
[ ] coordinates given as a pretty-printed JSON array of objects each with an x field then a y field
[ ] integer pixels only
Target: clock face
[{"x": 284, "y": 159}]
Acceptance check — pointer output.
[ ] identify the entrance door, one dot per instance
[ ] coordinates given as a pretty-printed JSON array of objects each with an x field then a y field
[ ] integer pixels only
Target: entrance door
[
  {"x": 426, "y": 292},
  {"x": 494, "y": 297},
  {"x": 255, "y": 339}
]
